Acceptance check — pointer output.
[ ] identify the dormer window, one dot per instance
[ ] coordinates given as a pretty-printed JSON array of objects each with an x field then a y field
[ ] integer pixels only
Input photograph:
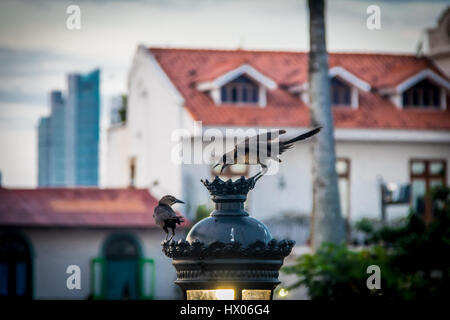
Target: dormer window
[
  {"x": 242, "y": 85},
  {"x": 344, "y": 88},
  {"x": 422, "y": 95},
  {"x": 240, "y": 90},
  {"x": 423, "y": 90},
  {"x": 340, "y": 93}
]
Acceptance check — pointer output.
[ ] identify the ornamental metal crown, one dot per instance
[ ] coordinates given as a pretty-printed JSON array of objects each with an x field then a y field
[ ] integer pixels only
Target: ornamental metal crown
[
  {"x": 241, "y": 186},
  {"x": 182, "y": 249}
]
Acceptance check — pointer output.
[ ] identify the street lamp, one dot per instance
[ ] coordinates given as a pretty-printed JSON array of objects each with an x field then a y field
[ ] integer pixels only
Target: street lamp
[{"x": 229, "y": 255}]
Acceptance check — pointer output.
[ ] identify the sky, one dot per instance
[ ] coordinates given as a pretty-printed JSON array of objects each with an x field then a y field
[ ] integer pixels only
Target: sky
[{"x": 37, "y": 50}]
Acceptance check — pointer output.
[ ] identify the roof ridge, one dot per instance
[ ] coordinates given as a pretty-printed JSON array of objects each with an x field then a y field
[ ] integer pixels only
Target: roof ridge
[
  {"x": 275, "y": 51},
  {"x": 224, "y": 50}
]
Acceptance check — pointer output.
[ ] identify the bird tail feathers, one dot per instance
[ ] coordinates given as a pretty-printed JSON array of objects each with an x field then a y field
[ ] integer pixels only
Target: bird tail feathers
[
  {"x": 284, "y": 147},
  {"x": 303, "y": 136}
]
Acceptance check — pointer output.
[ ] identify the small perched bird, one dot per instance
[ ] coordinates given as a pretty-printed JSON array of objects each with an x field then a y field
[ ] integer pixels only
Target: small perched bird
[
  {"x": 260, "y": 149},
  {"x": 164, "y": 215}
]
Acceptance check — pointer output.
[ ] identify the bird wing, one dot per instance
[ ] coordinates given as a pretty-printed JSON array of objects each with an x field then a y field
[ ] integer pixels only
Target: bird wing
[
  {"x": 266, "y": 136},
  {"x": 253, "y": 152},
  {"x": 163, "y": 213},
  {"x": 251, "y": 146}
]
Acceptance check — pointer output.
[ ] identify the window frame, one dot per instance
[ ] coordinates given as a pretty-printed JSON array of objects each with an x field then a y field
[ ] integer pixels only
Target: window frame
[
  {"x": 342, "y": 88},
  {"x": 346, "y": 176},
  {"x": 431, "y": 89},
  {"x": 12, "y": 259},
  {"x": 132, "y": 171},
  {"x": 101, "y": 278},
  {"x": 427, "y": 176},
  {"x": 251, "y": 88}
]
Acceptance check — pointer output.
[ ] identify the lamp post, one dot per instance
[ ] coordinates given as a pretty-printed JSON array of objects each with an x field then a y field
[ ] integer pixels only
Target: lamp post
[{"x": 229, "y": 255}]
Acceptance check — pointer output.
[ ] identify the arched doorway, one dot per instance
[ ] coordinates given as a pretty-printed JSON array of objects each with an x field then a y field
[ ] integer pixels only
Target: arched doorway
[
  {"x": 122, "y": 253},
  {"x": 15, "y": 267}
]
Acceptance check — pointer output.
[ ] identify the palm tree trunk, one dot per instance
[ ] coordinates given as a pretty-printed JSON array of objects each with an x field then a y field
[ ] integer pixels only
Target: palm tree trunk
[{"x": 327, "y": 223}]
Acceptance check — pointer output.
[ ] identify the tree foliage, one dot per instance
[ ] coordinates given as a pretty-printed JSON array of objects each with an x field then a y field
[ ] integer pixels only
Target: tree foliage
[
  {"x": 123, "y": 109},
  {"x": 203, "y": 211},
  {"x": 414, "y": 261}
]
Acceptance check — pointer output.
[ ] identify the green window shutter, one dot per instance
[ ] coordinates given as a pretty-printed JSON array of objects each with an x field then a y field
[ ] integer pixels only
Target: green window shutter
[
  {"x": 98, "y": 283},
  {"x": 147, "y": 278}
]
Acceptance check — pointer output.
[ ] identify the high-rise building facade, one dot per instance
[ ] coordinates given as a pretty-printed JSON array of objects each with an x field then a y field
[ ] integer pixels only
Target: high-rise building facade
[
  {"x": 57, "y": 140},
  {"x": 83, "y": 129},
  {"x": 69, "y": 137},
  {"x": 44, "y": 152}
]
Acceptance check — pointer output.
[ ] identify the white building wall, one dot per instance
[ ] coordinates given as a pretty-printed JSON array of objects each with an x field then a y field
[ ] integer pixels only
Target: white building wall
[
  {"x": 56, "y": 249},
  {"x": 118, "y": 157},
  {"x": 194, "y": 193},
  {"x": 290, "y": 191},
  {"x": 155, "y": 112},
  {"x": 389, "y": 161}
]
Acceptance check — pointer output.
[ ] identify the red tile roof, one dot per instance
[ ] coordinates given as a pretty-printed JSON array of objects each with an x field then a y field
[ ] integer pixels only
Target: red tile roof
[
  {"x": 77, "y": 207},
  {"x": 187, "y": 67}
]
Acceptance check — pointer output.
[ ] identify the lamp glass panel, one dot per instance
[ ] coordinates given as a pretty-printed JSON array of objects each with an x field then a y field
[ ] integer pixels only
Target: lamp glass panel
[
  {"x": 256, "y": 294},
  {"x": 218, "y": 294}
]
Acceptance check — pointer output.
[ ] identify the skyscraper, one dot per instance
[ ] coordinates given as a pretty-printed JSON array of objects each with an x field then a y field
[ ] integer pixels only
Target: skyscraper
[
  {"x": 69, "y": 137},
  {"x": 43, "y": 152},
  {"x": 83, "y": 129},
  {"x": 57, "y": 141}
]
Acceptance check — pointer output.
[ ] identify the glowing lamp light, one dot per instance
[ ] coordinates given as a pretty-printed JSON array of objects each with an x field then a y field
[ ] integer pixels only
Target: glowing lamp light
[
  {"x": 224, "y": 294},
  {"x": 228, "y": 294},
  {"x": 283, "y": 292},
  {"x": 217, "y": 294}
]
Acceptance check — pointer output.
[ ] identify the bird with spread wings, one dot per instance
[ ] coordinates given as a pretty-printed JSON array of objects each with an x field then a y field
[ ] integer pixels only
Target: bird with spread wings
[{"x": 260, "y": 149}]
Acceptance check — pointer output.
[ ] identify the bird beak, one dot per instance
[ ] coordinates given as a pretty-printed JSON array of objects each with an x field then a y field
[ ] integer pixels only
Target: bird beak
[{"x": 179, "y": 201}]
